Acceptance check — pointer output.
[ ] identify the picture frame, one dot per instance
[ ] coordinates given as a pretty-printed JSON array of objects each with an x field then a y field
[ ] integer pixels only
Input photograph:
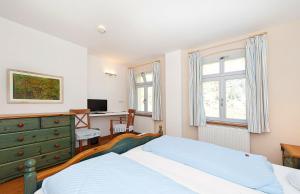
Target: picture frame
[{"x": 24, "y": 87}]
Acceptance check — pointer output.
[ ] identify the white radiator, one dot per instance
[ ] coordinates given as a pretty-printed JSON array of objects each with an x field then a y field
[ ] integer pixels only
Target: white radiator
[{"x": 231, "y": 137}]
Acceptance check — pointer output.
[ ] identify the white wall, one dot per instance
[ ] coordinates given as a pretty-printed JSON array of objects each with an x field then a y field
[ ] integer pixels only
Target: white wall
[
  {"x": 102, "y": 86},
  {"x": 173, "y": 81},
  {"x": 26, "y": 49},
  {"x": 284, "y": 92},
  {"x": 144, "y": 124},
  {"x": 284, "y": 89}
]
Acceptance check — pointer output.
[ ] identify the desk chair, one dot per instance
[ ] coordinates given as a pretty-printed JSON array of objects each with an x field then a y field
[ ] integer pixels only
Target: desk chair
[
  {"x": 83, "y": 129},
  {"x": 125, "y": 123}
]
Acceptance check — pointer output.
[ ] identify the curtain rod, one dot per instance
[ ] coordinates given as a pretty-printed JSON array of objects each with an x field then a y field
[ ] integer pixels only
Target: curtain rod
[
  {"x": 141, "y": 65},
  {"x": 226, "y": 43},
  {"x": 222, "y": 51}
]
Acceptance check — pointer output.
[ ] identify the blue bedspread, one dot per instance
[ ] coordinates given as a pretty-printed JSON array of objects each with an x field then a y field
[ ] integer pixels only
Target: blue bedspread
[
  {"x": 110, "y": 174},
  {"x": 249, "y": 170}
]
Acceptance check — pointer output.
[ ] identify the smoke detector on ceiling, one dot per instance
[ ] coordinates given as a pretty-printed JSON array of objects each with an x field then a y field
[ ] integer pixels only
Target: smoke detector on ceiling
[{"x": 101, "y": 29}]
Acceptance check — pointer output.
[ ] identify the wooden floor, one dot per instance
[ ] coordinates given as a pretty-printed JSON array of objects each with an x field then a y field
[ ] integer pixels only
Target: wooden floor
[{"x": 16, "y": 186}]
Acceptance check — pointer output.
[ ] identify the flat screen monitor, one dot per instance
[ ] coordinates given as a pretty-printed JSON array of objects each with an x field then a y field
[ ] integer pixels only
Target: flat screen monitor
[{"x": 97, "y": 105}]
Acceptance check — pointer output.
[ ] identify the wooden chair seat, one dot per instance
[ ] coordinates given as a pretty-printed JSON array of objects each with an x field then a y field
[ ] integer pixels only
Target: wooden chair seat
[
  {"x": 124, "y": 124},
  {"x": 85, "y": 133},
  {"x": 83, "y": 129},
  {"x": 120, "y": 128}
]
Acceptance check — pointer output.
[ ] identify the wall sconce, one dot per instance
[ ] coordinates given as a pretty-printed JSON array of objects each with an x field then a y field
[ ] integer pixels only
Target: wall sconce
[{"x": 110, "y": 74}]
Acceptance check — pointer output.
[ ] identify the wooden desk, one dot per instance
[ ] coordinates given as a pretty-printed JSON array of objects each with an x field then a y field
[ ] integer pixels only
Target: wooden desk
[
  {"x": 290, "y": 155},
  {"x": 102, "y": 121},
  {"x": 109, "y": 114}
]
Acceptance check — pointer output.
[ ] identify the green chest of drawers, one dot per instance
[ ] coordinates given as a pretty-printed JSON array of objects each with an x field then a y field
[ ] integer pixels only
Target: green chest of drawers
[{"x": 47, "y": 138}]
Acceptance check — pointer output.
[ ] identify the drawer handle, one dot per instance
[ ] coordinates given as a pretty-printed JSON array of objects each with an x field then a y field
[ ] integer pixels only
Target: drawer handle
[
  {"x": 20, "y": 125},
  {"x": 21, "y": 138},
  {"x": 20, "y": 167},
  {"x": 57, "y": 145},
  {"x": 56, "y": 133},
  {"x": 56, "y": 157},
  {"x": 20, "y": 153},
  {"x": 56, "y": 121}
]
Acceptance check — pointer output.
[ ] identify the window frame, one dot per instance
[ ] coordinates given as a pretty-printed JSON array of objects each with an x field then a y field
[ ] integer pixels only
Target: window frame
[
  {"x": 145, "y": 85},
  {"x": 221, "y": 77}
]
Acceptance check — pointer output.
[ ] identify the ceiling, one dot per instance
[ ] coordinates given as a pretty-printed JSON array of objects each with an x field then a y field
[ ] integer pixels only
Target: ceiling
[{"x": 139, "y": 29}]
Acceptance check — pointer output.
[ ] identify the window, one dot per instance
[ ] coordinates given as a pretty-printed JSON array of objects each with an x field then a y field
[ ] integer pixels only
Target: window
[
  {"x": 144, "y": 92},
  {"x": 211, "y": 96},
  {"x": 224, "y": 90},
  {"x": 211, "y": 68}
]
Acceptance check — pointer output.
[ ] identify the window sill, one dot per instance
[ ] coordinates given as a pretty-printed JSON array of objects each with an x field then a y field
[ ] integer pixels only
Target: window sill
[
  {"x": 241, "y": 125},
  {"x": 143, "y": 114}
]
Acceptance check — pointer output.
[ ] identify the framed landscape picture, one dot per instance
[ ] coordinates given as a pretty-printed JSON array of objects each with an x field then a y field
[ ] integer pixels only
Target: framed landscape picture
[{"x": 29, "y": 87}]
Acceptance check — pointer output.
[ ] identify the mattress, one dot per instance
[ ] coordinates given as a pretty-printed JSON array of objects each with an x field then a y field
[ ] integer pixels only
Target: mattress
[
  {"x": 198, "y": 181},
  {"x": 201, "y": 182},
  {"x": 249, "y": 170},
  {"x": 112, "y": 174}
]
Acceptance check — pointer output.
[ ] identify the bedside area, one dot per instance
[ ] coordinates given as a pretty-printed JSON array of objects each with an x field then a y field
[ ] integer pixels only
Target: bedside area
[{"x": 290, "y": 155}]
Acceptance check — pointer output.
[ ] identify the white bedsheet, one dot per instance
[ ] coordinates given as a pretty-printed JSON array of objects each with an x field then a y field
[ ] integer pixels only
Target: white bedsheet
[{"x": 197, "y": 180}]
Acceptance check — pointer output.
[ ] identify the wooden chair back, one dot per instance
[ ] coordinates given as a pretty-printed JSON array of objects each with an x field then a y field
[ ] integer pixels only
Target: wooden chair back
[
  {"x": 130, "y": 117},
  {"x": 82, "y": 118}
]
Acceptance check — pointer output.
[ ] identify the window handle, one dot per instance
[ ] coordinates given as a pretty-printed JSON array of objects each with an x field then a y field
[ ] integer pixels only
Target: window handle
[{"x": 222, "y": 102}]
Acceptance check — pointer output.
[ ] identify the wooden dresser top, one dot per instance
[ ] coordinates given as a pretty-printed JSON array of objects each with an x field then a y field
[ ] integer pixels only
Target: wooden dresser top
[
  {"x": 33, "y": 115},
  {"x": 293, "y": 150}
]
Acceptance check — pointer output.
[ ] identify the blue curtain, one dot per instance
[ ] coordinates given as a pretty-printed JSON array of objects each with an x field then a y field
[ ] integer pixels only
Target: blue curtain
[
  {"x": 257, "y": 85},
  {"x": 196, "y": 105},
  {"x": 132, "y": 89},
  {"x": 156, "y": 109}
]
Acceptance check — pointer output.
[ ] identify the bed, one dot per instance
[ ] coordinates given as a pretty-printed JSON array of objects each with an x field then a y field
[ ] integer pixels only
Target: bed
[
  {"x": 199, "y": 181},
  {"x": 130, "y": 146}
]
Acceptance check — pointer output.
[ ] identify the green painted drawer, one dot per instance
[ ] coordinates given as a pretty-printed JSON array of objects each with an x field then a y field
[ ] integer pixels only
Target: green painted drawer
[
  {"x": 27, "y": 137},
  {"x": 291, "y": 162},
  {"x": 14, "y": 169},
  {"x": 19, "y": 153},
  {"x": 53, "y": 158},
  {"x": 54, "y": 145},
  {"x": 15, "y": 125},
  {"x": 11, "y": 169},
  {"x": 47, "y": 122},
  {"x": 22, "y": 152}
]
